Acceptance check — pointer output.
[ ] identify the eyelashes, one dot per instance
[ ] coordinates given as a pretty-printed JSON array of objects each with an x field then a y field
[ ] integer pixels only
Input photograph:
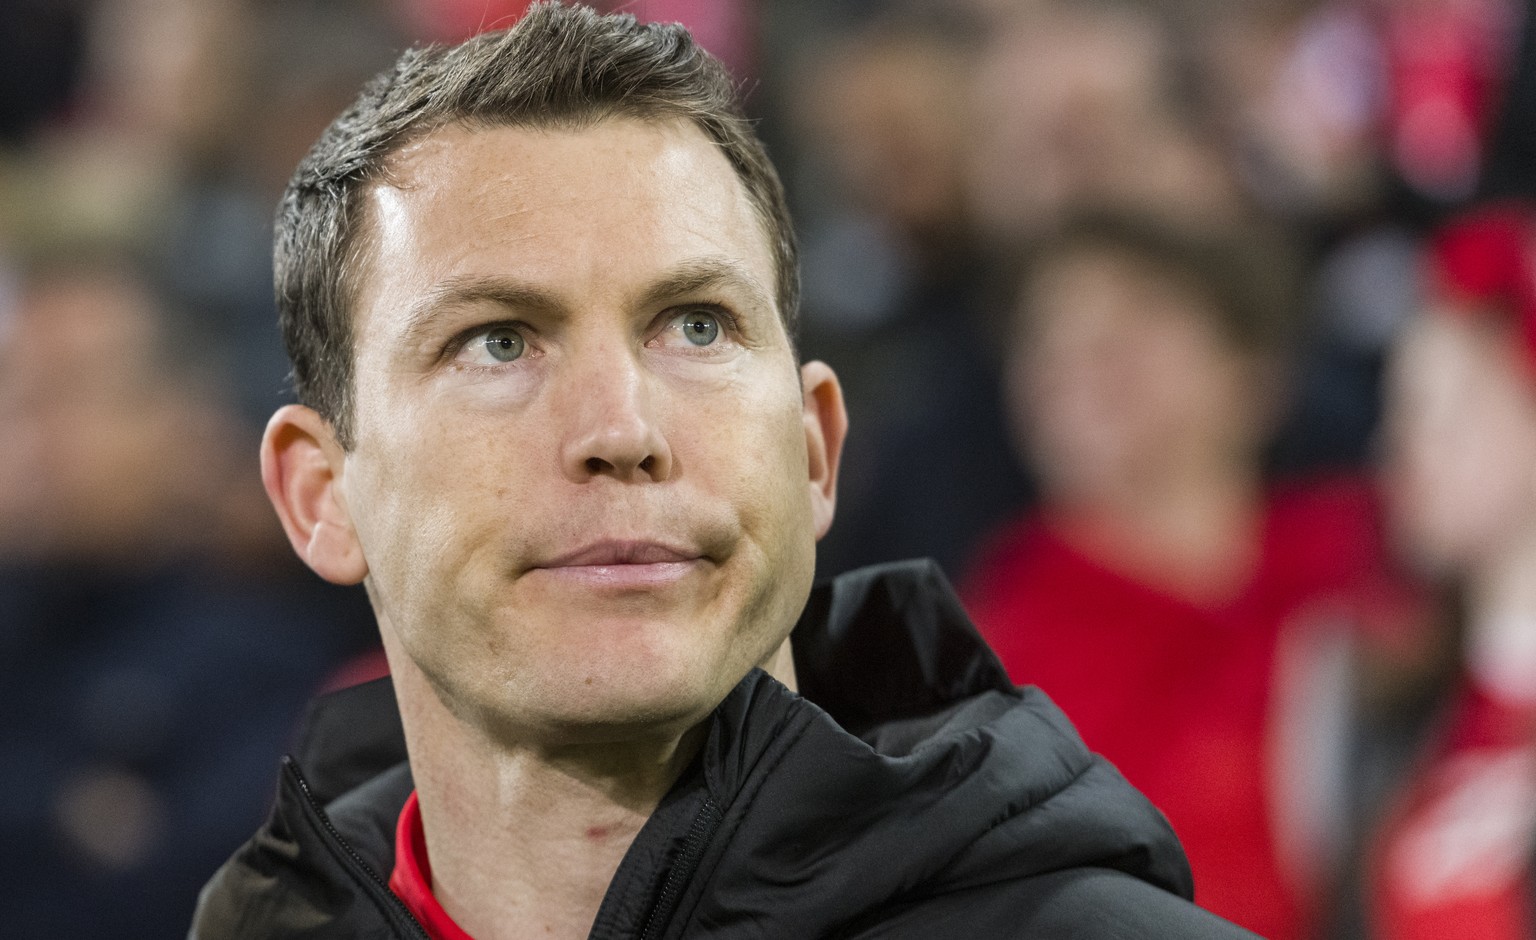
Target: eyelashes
[
  {"x": 702, "y": 328},
  {"x": 498, "y": 344}
]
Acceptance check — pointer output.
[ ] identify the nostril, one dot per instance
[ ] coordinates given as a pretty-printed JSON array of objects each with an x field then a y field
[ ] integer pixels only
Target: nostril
[{"x": 621, "y": 462}]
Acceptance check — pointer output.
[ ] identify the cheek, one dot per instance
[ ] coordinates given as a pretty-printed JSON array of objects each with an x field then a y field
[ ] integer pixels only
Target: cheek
[
  {"x": 419, "y": 496},
  {"x": 756, "y": 439},
  {"x": 745, "y": 446}
]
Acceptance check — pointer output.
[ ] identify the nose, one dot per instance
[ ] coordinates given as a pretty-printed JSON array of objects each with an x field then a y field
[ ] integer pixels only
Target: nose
[{"x": 612, "y": 425}]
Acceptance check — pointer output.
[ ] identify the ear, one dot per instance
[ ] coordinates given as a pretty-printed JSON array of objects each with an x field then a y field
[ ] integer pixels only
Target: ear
[
  {"x": 826, "y": 424},
  {"x": 301, "y": 465}
]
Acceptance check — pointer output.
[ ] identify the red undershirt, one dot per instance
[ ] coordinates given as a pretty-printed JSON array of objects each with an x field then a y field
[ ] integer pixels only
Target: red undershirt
[{"x": 412, "y": 878}]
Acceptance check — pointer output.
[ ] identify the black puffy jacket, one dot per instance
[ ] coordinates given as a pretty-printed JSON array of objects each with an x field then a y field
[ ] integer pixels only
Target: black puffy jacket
[{"x": 909, "y": 790}]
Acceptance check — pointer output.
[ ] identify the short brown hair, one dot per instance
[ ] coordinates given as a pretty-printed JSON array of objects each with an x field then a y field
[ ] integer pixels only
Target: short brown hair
[
  {"x": 1247, "y": 276},
  {"x": 560, "y": 66}
]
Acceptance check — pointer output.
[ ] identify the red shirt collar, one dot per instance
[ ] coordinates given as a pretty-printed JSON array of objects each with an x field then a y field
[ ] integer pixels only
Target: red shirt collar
[{"x": 412, "y": 878}]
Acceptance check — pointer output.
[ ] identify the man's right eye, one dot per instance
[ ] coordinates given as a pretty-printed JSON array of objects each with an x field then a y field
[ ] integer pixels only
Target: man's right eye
[{"x": 493, "y": 346}]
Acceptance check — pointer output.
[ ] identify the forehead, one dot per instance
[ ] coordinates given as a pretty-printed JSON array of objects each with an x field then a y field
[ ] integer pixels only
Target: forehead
[{"x": 582, "y": 212}]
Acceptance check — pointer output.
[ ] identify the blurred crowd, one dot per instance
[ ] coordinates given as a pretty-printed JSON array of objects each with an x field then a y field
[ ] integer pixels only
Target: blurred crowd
[{"x": 1195, "y": 338}]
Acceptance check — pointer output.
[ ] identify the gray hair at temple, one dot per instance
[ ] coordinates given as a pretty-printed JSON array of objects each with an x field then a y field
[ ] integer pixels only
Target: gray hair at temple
[{"x": 558, "y": 67}]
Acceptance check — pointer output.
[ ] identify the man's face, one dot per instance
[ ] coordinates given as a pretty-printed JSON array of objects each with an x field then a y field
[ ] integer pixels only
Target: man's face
[{"x": 581, "y": 479}]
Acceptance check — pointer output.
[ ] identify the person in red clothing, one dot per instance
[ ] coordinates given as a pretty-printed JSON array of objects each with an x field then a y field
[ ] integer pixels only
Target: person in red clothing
[
  {"x": 1454, "y": 857},
  {"x": 1193, "y": 620}
]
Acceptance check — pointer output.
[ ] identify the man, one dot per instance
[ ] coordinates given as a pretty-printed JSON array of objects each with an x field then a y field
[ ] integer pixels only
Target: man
[{"x": 539, "y": 290}]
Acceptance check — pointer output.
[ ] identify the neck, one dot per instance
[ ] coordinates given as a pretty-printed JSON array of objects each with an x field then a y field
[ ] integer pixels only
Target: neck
[
  {"x": 1194, "y": 533},
  {"x": 524, "y": 839}
]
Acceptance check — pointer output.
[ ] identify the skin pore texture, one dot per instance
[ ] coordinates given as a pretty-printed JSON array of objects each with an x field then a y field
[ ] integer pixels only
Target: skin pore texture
[{"x": 585, "y": 491}]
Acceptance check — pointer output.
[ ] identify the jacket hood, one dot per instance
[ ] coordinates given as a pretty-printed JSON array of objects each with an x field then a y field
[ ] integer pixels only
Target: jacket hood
[{"x": 907, "y": 768}]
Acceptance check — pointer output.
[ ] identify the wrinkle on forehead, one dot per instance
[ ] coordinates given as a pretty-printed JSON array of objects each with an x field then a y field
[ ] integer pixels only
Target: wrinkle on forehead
[{"x": 494, "y": 177}]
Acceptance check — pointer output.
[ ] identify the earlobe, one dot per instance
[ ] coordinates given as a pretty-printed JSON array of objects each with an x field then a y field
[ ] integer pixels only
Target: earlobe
[
  {"x": 301, "y": 470},
  {"x": 826, "y": 425}
]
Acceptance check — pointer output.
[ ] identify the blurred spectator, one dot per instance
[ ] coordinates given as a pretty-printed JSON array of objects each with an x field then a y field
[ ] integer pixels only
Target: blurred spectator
[
  {"x": 1297, "y": 93},
  {"x": 1455, "y": 856},
  {"x": 1511, "y": 162},
  {"x": 1090, "y": 102},
  {"x": 41, "y": 47},
  {"x": 1300, "y": 89},
  {"x": 157, "y": 641},
  {"x": 188, "y": 118},
  {"x": 100, "y": 412},
  {"x": 1194, "y": 622},
  {"x": 724, "y": 27},
  {"x": 457, "y": 20},
  {"x": 894, "y": 291},
  {"x": 1448, "y": 64},
  {"x": 1337, "y": 109},
  {"x": 880, "y": 113}
]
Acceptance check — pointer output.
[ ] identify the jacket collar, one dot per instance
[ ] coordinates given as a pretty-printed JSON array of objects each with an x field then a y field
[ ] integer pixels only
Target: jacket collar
[
  {"x": 910, "y": 764},
  {"x": 890, "y": 643}
]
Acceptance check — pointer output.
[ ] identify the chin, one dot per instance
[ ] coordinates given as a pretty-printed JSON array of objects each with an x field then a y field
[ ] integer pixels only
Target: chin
[
  {"x": 630, "y": 695},
  {"x": 626, "y": 714}
]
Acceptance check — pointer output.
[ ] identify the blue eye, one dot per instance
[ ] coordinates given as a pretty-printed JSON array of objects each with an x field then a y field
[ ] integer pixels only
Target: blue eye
[
  {"x": 504, "y": 344},
  {"x": 701, "y": 327}
]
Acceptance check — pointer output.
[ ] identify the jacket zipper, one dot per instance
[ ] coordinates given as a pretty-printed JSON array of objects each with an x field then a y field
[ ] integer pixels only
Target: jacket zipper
[
  {"x": 699, "y": 833},
  {"x": 372, "y": 876}
]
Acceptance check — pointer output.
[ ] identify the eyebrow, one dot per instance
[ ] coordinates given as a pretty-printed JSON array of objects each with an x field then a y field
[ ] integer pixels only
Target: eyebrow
[
  {"x": 476, "y": 288},
  {"x": 703, "y": 274},
  {"x": 689, "y": 277}
]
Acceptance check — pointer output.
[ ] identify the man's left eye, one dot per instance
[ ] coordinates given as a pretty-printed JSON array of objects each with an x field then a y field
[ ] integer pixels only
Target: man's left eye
[{"x": 700, "y": 327}]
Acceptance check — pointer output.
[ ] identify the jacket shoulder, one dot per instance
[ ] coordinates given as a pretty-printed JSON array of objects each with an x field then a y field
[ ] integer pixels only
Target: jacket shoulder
[
  {"x": 1071, "y": 904},
  {"x": 312, "y": 872}
]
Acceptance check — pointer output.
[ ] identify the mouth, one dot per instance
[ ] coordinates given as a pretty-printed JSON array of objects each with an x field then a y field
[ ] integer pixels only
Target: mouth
[{"x": 623, "y": 564}]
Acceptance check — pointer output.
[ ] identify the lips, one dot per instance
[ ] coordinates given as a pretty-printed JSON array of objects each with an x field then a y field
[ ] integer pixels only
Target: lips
[
  {"x": 621, "y": 565},
  {"x": 611, "y": 553}
]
